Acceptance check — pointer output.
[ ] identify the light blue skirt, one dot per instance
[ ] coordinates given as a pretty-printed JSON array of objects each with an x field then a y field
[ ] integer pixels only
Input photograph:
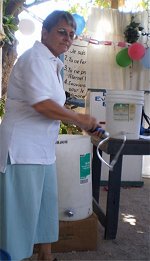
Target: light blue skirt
[{"x": 28, "y": 208}]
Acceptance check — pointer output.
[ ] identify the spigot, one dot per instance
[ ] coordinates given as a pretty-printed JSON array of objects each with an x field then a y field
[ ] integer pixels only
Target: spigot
[{"x": 69, "y": 212}]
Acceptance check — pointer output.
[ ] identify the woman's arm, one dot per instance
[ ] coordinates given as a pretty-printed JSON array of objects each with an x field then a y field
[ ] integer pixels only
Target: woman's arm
[{"x": 53, "y": 110}]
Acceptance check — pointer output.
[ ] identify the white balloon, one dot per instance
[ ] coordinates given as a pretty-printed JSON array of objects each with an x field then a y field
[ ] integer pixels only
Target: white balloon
[{"x": 26, "y": 26}]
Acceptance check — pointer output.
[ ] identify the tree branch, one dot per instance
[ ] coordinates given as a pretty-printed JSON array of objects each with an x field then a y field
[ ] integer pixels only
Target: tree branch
[
  {"x": 13, "y": 7},
  {"x": 36, "y": 2}
]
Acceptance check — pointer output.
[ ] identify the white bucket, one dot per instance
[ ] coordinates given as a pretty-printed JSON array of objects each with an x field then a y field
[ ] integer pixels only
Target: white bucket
[
  {"x": 123, "y": 113},
  {"x": 73, "y": 163}
]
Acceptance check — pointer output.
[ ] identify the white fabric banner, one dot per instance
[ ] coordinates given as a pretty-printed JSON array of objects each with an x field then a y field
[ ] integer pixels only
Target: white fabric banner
[{"x": 102, "y": 69}]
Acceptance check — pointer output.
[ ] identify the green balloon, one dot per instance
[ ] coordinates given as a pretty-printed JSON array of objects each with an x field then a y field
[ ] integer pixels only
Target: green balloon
[{"x": 122, "y": 58}]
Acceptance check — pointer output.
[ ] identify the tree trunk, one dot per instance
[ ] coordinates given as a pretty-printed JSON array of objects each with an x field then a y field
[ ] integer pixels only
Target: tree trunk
[
  {"x": 9, "y": 53},
  {"x": 115, "y": 4},
  {"x": 8, "y": 58}
]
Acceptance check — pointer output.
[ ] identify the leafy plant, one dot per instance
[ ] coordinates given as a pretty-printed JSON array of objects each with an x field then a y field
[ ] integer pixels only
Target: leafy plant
[
  {"x": 103, "y": 3},
  {"x": 9, "y": 25},
  {"x": 78, "y": 9},
  {"x": 66, "y": 128},
  {"x": 2, "y": 107},
  {"x": 132, "y": 31},
  {"x": 144, "y": 4}
]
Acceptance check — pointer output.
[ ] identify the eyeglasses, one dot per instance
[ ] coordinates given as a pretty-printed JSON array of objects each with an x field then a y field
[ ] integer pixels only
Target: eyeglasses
[{"x": 63, "y": 32}]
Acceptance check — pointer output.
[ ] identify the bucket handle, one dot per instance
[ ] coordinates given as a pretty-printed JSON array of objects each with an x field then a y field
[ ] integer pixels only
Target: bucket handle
[{"x": 113, "y": 162}]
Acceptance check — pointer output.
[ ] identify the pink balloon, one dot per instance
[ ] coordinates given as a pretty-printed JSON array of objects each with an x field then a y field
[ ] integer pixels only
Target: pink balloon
[{"x": 136, "y": 51}]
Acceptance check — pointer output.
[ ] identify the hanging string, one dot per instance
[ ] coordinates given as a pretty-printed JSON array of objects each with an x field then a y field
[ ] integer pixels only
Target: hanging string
[
  {"x": 131, "y": 75},
  {"x": 33, "y": 15}
]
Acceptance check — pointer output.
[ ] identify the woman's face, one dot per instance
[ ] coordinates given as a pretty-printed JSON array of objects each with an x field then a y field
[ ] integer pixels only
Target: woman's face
[{"x": 59, "y": 39}]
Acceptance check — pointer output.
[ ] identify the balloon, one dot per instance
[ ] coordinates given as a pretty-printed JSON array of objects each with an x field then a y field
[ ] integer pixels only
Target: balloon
[
  {"x": 146, "y": 59},
  {"x": 80, "y": 23},
  {"x": 136, "y": 51},
  {"x": 26, "y": 26},
  {"x": 122, "y": 58}
]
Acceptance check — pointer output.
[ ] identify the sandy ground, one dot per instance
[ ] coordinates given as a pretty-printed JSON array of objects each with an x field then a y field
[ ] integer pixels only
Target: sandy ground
[{"x": 133, "y": 236}]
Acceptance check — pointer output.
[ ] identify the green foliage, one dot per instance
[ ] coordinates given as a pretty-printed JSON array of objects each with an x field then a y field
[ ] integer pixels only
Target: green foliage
[
  {"x": 2, "y": 107},
  {"x": 66, "y": 128},
  {"x": 78, "y": 9},
  {"x": 132, "y": 31},
  {"x": 144, "y": 4},
  {"x": 103, "y": 3},
  {"x": 9, "y": 25}
]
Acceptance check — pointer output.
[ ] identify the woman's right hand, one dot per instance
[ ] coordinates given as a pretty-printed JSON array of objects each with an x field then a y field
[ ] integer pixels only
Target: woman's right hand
[{"x": 87, "y": 122}]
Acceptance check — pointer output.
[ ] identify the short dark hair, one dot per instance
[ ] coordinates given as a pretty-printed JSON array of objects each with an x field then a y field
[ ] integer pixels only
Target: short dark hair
[{"x": 56, "y": 16}]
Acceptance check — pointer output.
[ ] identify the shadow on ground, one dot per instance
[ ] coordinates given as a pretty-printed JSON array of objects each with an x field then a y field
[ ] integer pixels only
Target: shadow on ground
[{"x": 133, "y": 236}]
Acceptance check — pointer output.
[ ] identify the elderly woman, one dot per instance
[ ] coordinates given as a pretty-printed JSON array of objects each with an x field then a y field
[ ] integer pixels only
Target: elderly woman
[{"x": 28, "y": 133}]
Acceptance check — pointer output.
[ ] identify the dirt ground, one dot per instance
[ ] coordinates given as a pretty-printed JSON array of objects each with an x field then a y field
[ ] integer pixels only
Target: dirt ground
[{"x": 133, "y": 236}]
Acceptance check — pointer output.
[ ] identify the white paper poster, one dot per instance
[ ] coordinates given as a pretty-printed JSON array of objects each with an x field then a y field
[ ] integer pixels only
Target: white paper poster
[{"x": 75, "y": 69}]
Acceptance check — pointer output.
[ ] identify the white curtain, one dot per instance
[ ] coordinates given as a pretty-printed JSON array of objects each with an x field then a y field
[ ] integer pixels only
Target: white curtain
[{"x": 102, "y": 69}]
